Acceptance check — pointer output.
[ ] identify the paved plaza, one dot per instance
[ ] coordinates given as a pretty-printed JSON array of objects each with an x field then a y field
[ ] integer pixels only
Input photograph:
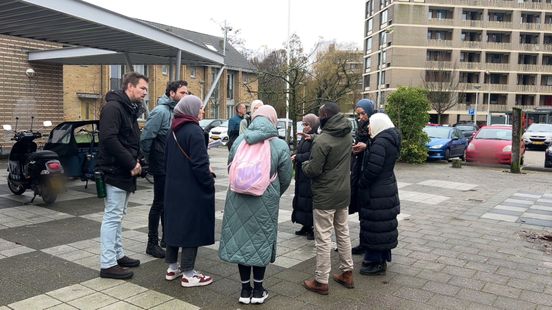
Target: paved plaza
[{"x": 461, "y": 246}]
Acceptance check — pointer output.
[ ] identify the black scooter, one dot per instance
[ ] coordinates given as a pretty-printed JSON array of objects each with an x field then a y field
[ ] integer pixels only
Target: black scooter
[{"x": 28, "y": 168}]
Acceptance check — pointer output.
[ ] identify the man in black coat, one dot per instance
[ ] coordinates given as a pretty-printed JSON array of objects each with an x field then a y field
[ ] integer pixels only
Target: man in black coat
[{"x": 118, "y": 160}]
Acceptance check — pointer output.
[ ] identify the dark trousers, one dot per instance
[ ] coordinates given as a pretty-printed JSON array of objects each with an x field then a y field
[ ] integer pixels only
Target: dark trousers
[
  {"x": 187, "y": 258},
  {"x": 156, "y": 211}
]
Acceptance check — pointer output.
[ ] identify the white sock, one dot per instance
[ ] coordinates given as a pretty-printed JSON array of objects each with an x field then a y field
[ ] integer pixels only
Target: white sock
[
  {"x": 189, "y": 273},
  {"x": 173, "y": 266}
]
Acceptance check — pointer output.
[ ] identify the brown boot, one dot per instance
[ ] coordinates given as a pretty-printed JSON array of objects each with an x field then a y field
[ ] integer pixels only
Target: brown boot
[
  {"x": 315, "y": 286},
  {"x": 345, "y": 279}
]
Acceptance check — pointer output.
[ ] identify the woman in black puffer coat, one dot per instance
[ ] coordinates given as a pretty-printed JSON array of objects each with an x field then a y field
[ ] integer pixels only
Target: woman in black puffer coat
[
  {"x": 379, "y": 196},
  {"x": 302, "y": 201}
]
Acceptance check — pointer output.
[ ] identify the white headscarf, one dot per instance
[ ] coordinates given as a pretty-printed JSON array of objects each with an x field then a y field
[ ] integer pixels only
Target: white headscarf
[{"x": 378, "y": 123}]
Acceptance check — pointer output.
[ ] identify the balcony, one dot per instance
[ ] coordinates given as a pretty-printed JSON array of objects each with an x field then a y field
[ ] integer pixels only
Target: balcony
[
  {"x": 547, "y": 47},
  {"x": 547, "y": 27},
  {"x": 531, "y": 26},
  {"x": 440, "y": 22},
  {"x": 497, "y": 66},
  {"x": 499, "y": 25},
  {"x": 471, "y": 23},
  {"x": 497, "y": 87},
  {"x": 499, "y": 45},
  {"x": 469, "y": 65},
  {"x": 529, "y": 68},
  {"x": 438, "y": 64},
  {"x": 529, "y": 47},
  {"x": 471, "y": 44},
  {"x": 546, "y": 89},
  {"x": 468, "y": 86},
  {"x": 527, "y": 88},
  {"x": 440, "y": 43}
]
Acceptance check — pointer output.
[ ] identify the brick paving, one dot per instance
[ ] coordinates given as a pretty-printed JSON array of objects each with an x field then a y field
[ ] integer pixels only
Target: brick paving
[{"x": 459, "y": 248}]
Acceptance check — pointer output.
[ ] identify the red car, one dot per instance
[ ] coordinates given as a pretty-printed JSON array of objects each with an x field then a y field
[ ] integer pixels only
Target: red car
[{"x": 492, "y": 144}]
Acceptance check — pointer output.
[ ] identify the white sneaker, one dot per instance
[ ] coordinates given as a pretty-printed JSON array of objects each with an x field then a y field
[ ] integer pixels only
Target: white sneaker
[
  {"x": 173, "y": 274},
  {"x": 197, "y": 279},
  {"x": 259, "y": 296}
]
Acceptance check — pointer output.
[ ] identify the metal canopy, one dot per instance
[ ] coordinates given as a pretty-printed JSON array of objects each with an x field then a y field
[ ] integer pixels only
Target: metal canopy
[{"x": 77, "y": 23}]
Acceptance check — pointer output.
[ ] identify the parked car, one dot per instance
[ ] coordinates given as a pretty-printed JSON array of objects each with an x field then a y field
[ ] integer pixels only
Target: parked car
[
  {"x": 467, "y": 129},
  {"x": 445, "y": 142},
  {"x": 208, "y": 124},
  {"x": 548, "y": 157},
  {"x": 281, "y": 126},
  {"x": 220, "y": 133},
  {"x": 493, "y": 144},
  {"x": 538, "y": 136}
]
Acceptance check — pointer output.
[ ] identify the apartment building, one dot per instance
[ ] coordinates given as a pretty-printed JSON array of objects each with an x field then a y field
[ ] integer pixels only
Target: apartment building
[{"x": 497, "y": 53}]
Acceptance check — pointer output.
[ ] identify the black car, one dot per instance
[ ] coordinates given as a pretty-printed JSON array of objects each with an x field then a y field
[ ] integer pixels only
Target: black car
[
  {"x": 548, "y": 157},
  {"x": 467, "y": 129}
]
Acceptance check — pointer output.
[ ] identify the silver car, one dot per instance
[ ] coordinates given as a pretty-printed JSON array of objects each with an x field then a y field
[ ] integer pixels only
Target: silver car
[{"x": 538, "y": 135}]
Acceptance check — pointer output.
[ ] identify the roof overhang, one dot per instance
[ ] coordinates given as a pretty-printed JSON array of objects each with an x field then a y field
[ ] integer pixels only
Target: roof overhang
[{"x": 77, "y": 23}]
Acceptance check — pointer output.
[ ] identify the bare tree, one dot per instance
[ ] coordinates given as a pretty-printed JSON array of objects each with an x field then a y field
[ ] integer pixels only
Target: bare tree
[{"x": 443, "y": 86}]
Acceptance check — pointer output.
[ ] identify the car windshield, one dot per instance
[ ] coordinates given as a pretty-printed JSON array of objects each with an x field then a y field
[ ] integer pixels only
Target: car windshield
[
  {"x": 540, "y": 127},
  {"x": 224, "y": 124},
  {"x": 494, "y": 134},
  {"x": 465, "y": 127},
  {"x": 204, "y": 122},
  {"x": 437, "y": 132}
]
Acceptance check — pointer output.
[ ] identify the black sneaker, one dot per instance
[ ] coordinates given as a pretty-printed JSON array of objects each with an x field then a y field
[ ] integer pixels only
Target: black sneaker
[
  {"x": 259, "y": 296},
  {"x": 116, "y": 272},
  {"x": 162, "y": 243},
  {"x": 155, "y": 250},
  {"x": 245, "y": 296},
  {"x": 310, "y": 235},
  {"x": 126, "y": 261},
  {"x": 302, "y": 231}
]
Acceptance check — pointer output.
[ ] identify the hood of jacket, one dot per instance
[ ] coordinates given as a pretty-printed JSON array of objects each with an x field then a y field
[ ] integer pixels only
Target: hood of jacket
[
  {"x": 259, "y": 130},
  {"x": 164, "y": 100},
  {"x": 134, "y": 108},
  {"x": 392, "y": 135},
  {"x": 337, "y": 126}
]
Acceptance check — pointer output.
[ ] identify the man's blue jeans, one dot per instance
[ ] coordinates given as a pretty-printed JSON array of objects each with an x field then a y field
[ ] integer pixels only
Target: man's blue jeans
[{"x": 116, "y": 203}]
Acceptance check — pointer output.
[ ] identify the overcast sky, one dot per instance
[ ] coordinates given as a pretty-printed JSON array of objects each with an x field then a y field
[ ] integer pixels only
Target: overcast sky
[{"x": 262, "y": 24}]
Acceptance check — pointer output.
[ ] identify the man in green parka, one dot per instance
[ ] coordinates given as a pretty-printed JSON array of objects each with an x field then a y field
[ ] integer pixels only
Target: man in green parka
[{"x": 329, "y": 169}]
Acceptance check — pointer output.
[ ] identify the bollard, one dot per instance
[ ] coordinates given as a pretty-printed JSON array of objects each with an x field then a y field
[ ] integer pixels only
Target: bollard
[{"x": 456, "y": 163}]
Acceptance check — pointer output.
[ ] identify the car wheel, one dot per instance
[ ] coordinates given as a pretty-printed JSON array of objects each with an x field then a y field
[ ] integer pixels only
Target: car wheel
[
  {"x": 463, "y": 156},
  {"x": 522, "y": 160},
  {"x": 447, "y": 154}
]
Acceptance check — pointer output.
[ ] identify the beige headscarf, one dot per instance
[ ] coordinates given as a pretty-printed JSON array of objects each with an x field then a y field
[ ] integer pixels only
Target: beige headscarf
[
  {"x": 268, "y": 112},
  {"x": 313, "y": 121},
  {"x": 378, "y": 123}
]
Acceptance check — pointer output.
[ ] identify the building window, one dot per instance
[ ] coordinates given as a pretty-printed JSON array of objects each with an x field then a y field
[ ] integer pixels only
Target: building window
[
  {"x": 366, "y": 81},
  {"x": 437, "y": 34},
  {"x": 369, "y": 8},
  {"x": 230, "y": 87},
  {"x": 115, "y": 76},
  {"x": 383, "y": 17},
  {"x": 470, "y": 56},
  {"x": 164, "y": 69},
  {"x": 440, "y": 13},
  {"x": 527, "y": 59},
  {"x": 369, "y": 26},
  {"x": 368, "y": 46},
  {"x": 499, "y": 16},
  {"x": 437, "y": 76},
  {"x": 497, "y": 58},
  {"x": 438, "y": 55},
  {"x": 193, "y": 72},
  {"x": 368, "y": 63},
  {"x": 472, "y": 15},
  {"x": 530, "y": 17},
  {"x": 546, "y": 80}
]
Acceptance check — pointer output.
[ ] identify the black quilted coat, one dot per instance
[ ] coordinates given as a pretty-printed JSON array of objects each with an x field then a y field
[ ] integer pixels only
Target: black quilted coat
[
  {"x": 378, "y": 193},
  {"x": 302, "y": 201}
]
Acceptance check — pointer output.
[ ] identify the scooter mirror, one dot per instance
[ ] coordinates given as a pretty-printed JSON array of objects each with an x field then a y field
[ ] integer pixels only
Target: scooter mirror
[
  {"x": 7, "y": 127},
  {"x": 47, "y": 123}
]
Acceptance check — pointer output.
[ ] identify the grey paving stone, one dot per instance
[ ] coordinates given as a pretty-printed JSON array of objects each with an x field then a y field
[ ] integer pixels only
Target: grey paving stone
[
  {"x": 538, "y": 298},
  {"x": 409, "y": 281},
  {"x": 537, "y": 222},
  {"x": 414, "y": 294},
  {"x": 424, "y": 264},
  {"x": 459, "y": 271},
  {"x": 467, "y": 283},
  {"x": 476, "y": 296},
  {"x": 50, "y": 234},
  {"x": 513, "y": 273},
  {"x": 434, "y": 276},
  {"x": 501, "y": 290},
  {"x": 448, "y": 302},
  {"x": 441, "y": 288},
  {"x": 513, "y": 304},
  {"x": 451, "y": 261},
  {"x": 6, "y": 203}
]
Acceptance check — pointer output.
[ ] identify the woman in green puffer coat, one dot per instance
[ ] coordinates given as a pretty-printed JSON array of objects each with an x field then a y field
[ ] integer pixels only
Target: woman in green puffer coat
[{"x": 250, "y": 223}]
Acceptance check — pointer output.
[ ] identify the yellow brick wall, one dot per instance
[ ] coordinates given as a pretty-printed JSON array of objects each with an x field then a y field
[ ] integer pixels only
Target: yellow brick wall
[{"x": 20, "y": 96}]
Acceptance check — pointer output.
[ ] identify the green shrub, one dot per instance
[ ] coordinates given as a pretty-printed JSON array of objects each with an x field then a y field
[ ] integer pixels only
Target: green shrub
[{"x": 408, "y": 109}]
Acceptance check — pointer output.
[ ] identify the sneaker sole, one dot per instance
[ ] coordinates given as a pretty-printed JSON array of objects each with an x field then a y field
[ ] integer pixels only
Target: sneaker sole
[
  {"x": 245, "y": 300},
  {"x": 170, "y": 278},
  {"x": 259, "y": 300},
  {"x": 116, "y": 276},
  {"x": 196, "y": 284}
]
